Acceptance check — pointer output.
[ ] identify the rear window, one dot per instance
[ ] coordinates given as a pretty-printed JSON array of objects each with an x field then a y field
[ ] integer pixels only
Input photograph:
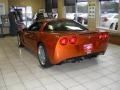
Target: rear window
[{"x": 66, "y": 25}]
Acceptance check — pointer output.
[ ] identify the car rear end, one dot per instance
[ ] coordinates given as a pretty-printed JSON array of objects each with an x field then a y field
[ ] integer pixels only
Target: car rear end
[{"x": 80, "y": 45}]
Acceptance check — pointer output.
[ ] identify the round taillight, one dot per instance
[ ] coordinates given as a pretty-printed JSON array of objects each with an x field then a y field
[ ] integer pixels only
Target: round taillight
[
  {"x": 63, "y": 41},
  {"x": 103, "y": 36},
  {"x": 73, "y": 40},
  {"x": 106, "y": 36},
  {"x": 100, "y": 36}
]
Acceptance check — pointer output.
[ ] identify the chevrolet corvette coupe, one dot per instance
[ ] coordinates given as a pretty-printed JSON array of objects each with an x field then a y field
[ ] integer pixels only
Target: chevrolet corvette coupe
[{"x": 58, "y": 40}]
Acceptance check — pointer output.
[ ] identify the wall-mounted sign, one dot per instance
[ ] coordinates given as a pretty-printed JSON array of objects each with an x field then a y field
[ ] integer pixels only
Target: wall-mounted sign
[
  {"x": 5, "y": 20},
  {"x": 91, "y": 9}
]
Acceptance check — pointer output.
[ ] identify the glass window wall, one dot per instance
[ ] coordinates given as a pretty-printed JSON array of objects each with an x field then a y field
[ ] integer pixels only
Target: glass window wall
[
  {"x": 109, "y": 14},
  {"x": 82, "y": 12}
]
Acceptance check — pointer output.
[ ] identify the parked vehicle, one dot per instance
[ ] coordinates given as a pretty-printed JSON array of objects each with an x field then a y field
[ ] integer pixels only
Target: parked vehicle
[
  {"x": 109, "y": 20},
  {"x": 58, "y": 40}
]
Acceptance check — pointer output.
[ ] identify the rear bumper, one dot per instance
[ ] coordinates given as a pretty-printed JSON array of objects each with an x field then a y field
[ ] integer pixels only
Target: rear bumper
[{"x": 84, "y": 55}]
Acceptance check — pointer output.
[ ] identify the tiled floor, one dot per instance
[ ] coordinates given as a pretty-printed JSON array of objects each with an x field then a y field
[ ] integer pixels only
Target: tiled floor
[{"x": 20, "y": 70}]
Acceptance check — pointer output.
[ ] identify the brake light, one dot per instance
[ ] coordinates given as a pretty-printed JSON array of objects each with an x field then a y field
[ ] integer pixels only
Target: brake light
[
  {"x": 73, "y": 40},
  {"x": 100, "y": 36},
  {"x": 103, "y": 36},
  {"x": 63, "y": 41},
  {"x": 106, "y": 35}
]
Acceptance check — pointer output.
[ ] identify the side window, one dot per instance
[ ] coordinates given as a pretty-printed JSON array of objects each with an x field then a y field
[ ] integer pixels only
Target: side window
[
  {"x": 35, "y": 26},
  {"x": 53, "y": 26}
]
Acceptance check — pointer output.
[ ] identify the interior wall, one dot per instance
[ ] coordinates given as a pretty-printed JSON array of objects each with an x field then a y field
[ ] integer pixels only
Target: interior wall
[
  {"x": 35, "y": 4},
  {"x": 6, "y": 5}
]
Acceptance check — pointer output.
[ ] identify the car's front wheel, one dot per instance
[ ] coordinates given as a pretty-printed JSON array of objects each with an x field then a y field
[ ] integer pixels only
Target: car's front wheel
[
  {"x": 111, "y": 25},
  {"x": 42, "y": 56}
]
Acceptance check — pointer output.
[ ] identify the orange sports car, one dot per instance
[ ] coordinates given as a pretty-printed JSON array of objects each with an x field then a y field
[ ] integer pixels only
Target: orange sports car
[{"x": 58, "y": 40}]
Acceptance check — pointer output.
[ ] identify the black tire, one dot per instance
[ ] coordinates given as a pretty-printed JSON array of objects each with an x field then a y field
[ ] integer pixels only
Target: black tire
[
  {"x": 116, "y": 26},
  {"x": 111, "y": 26},
  {"x": 94, "y": 56},
  {"x": 42, "y": 57},
  {"x": 19, "y": 41}
]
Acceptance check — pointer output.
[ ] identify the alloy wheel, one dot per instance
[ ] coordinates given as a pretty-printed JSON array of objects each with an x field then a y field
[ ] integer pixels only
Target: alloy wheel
[{"x": 41, "y": 55}]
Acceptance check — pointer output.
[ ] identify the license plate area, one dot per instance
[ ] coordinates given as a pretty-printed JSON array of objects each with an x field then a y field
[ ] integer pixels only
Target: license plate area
[{"x": 88, "y": 48}]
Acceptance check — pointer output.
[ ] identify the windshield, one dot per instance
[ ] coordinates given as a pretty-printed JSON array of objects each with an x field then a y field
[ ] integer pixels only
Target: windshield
[{"x": 66, "y": 25}]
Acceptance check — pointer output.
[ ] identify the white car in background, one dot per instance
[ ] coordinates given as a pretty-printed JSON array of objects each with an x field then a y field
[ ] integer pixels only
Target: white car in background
[
  {"x": 109, "y": 20},
  {"x": 79, "y": 17}
]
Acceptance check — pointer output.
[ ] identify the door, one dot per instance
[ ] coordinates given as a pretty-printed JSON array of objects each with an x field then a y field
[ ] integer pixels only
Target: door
[
  {"x": 26, "y": 37},
  {"x": 32, "y": 35}
]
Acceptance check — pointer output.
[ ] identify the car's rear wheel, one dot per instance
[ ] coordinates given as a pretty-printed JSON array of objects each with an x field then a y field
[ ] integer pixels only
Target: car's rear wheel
[
  {"x": 42, "y": 56},
  {"x": 94, "y": 56},
  {"x": 19, "y": 41}
]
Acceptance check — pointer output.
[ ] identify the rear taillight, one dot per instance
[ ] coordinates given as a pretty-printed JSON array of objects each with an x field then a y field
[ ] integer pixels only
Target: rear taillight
[
  {"x": 106, "y": 35},
  {"x": 73, "y": 40},
  {"x": 103, "y": 36},
  {"x": 63, "y": 41},
  {"x": 100, "y": 36}
]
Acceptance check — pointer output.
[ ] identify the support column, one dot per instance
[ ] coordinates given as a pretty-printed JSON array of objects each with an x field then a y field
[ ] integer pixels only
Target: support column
[
  {"x": 61, "y": 11},
  {"x": 93, "y": 14}
]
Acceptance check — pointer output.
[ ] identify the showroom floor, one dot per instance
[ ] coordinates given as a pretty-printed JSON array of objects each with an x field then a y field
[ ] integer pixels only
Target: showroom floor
[{"x": 20, "y": 70}]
